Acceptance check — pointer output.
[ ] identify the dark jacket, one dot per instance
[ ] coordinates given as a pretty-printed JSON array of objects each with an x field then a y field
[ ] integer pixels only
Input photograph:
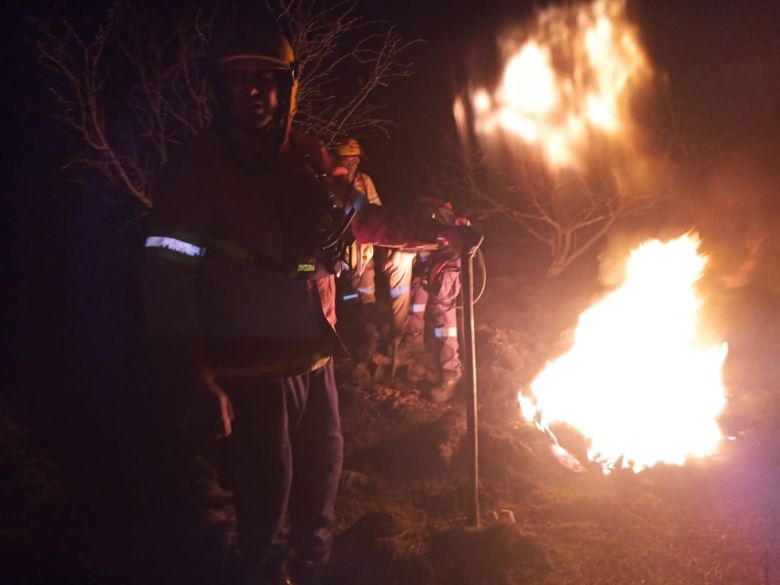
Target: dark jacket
[
  {"x": 211, "y": 308},
  {"x": 217, "y": 308}
]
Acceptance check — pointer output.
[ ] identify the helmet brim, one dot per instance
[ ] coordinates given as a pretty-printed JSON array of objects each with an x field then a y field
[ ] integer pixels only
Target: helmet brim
[{"x": 263, "y": 60}]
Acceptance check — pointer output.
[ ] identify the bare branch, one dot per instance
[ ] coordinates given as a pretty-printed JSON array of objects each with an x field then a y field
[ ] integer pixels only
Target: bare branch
[
  {"x": 80, "y": 65},
  {"x": 165, "y": 99},
  {"x": 568, "y": 212},
  {"x": 340, "y": 53}
]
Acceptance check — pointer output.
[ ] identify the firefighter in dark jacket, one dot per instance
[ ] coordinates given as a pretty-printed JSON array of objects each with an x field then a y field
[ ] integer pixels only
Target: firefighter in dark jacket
[{"x": 240, "y": 304}]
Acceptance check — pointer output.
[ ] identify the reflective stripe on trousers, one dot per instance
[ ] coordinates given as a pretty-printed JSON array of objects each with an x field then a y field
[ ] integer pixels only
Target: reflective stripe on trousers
[
  {"x": 365, "y": 283},
  {"x": 442, "y": 332},
  {"x": 415, "y": 326},
  {"x": 442, "y": 312},
  {"x": 439, "y": 309},
  {"x": 398, "y": 269}
]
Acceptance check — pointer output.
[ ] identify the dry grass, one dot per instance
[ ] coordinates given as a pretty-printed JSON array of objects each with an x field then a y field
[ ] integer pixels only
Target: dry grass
[
  {"x": 715, "y": 522},
  {"x": 403, "y": 501}
]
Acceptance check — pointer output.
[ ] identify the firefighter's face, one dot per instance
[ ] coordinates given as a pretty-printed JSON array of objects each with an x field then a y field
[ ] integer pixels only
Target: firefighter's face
[
  {"x": 251, "y": 93},
  {"x": 351, "y": 164}
]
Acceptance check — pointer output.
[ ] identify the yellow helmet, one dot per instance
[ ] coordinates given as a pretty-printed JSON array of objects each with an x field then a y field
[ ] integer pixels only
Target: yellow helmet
[{"x": 350, "y": 147}]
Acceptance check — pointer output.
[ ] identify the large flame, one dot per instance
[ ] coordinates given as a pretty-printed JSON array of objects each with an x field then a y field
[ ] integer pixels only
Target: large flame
[
  {"x": 640, "y": 382},
  {"x": 567, "y": 79}
]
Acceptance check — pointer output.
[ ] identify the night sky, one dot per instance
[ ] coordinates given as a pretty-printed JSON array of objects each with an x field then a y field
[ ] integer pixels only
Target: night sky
[
  {"x": 720, "y": 60},
  {"x": 718, "y": 66}
]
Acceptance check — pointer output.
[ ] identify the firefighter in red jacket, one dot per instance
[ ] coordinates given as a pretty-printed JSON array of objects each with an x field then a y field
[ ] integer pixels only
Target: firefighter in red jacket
[
  {"x": 434, "y": 291},
  {"x": 240, "y": 305}
]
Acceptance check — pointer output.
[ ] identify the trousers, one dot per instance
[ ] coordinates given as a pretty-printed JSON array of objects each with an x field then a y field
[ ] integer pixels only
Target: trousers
[
  {"x": 436, "y": 304},
  {"x": 284, "y": 458},
  {"x": 397, "y": 266}
]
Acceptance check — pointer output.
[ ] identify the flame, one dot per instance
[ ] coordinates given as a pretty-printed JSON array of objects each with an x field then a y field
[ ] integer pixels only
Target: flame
[
  {"x": 566, "y": 80},
  {"x": 640, "y": 382}
]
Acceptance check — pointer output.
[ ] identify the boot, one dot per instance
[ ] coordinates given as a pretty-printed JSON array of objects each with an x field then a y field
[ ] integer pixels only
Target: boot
[{"x": 444, "y": 391}]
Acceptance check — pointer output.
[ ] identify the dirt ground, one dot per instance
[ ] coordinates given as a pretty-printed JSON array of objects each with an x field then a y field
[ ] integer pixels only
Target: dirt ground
[
  {"x": 713, "y": 521},
  {"x": 404, "y": 497}
]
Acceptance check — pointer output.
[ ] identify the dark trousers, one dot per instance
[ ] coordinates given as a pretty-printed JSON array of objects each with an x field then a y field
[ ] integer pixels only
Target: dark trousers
[{"x": 285, "y": 455}]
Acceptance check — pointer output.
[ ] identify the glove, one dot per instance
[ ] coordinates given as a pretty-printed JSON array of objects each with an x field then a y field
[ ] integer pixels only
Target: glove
[{"x": 458, "y": 240}]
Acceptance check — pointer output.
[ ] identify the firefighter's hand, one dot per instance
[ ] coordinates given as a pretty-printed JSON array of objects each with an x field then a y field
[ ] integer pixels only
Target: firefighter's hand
[
  {"x": 460, "y": 239},
  {"x": 211, "y": 411},
  {"x": 460, "y": 220},
  {"x": 222, "y": 405}
]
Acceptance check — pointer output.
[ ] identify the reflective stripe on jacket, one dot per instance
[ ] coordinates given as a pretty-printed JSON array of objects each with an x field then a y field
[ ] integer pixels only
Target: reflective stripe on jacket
[{"x": 241, "y": 316}]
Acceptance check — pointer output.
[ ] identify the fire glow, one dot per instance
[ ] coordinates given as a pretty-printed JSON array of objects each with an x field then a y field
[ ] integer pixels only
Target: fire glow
[
  {"x": 640, "y": 382},
  {"x": 566, "y": 80}
]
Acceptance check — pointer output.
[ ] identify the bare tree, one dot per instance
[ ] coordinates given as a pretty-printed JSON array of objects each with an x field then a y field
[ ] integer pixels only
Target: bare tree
[
  {"x": 166, "y": 100},
  {"x": 343, "y": 59},
  {"x": 133, "y": 88},
  {"x": 567, "y": 211}
]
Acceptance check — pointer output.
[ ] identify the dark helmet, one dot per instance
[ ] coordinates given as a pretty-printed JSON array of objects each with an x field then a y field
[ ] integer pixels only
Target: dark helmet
[{"x": 256, "y": 37}]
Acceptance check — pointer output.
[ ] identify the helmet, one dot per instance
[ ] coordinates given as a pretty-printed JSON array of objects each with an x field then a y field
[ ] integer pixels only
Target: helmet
[
  {"x": 350, "y": 147},
  {"x": 255, "y": 36}
]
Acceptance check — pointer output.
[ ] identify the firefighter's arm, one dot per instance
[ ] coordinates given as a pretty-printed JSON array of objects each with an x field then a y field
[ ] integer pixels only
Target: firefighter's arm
[
  {"x": 391, "y": 228},
  {"x": 173, "y": 323},
  {"x": 388, "y": 227},
  {"x": 372, "y": 196},
  {"x": 171, "y": 273}
]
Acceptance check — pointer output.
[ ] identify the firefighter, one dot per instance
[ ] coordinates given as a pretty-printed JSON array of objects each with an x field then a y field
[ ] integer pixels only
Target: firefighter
[
  {"x": 361, "y": 256},
  {"x": 358, "y": 286},
  {"x": 435, "y": 288},
  {"x": 396, "y": 264},
  {"x": 248, "y": 344},
  {"x": 240, "y": 303}
]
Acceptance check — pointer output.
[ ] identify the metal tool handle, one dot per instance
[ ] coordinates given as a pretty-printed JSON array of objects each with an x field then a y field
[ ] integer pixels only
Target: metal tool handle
[{"x": 470, "y": 370}]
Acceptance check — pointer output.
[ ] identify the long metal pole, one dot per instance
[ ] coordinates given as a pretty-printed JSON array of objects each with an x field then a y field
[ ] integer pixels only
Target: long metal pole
[{"x": 470, "y": 367}]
